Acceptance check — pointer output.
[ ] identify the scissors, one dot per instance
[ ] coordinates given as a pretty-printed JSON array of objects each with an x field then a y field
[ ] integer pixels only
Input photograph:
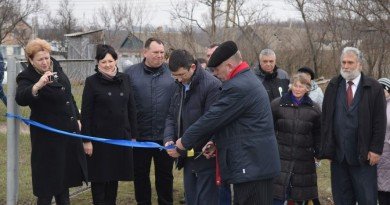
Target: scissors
[{"x": 209, "y": 149}]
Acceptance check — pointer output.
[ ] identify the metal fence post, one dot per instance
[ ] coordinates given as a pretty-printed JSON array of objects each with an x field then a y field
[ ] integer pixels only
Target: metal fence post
[{"x": 12, "y": 134}]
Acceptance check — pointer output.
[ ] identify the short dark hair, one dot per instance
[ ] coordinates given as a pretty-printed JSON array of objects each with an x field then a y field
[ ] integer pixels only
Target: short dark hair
[
  {"x": 180, "y": 58},
  {"x": 103, "y": 49},
  {"x": 150, "y": 40}
]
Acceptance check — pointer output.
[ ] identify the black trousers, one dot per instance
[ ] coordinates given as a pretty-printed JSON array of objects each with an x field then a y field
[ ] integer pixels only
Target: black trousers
[
  {"x": 384, "y": 198},
  {"x": 163, "y": 164},
  {"x": 351, "y": 184},
  {"x": 199, "y": 182},
  {"x": 61, "y": 199},
  {"x": 254, "y": 193},
  {"x": 104, "y": 193}
]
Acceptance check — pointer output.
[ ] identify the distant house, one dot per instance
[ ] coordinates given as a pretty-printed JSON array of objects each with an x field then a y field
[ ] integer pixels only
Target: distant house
[
  {"x": 131, "y": 45},
  {"x": 82, "y": 45},
  {"x": 128, "y": 46},
  {"x": 14, "y": 42}
]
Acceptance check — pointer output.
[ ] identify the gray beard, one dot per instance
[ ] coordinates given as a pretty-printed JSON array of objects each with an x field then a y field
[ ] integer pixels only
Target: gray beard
[{"x": 350, "y": 75}]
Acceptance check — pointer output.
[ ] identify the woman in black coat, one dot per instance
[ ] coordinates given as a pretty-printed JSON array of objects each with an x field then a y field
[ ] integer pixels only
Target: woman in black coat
[
  {"x": 57, "y": 162},
  {"x": 108, "y": 111},
  {"x": 297, "y": 126}
]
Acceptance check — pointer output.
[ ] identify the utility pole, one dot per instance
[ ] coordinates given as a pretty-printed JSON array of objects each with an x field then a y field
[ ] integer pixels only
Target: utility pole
[{"x": 12, "y": 133}]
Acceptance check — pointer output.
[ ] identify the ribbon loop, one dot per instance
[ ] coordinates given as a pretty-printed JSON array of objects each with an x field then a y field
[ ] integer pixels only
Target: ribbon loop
[{"x": 119, "y": 142}]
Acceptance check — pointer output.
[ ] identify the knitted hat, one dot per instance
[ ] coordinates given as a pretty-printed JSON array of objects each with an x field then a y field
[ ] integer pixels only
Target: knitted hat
[
  {"x": 222, "y": 53},
  {"x": 385, "y": 83}
]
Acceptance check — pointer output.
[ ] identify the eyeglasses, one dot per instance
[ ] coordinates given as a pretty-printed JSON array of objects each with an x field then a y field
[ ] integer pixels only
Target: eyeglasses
[{"x": 181, "y": 75}]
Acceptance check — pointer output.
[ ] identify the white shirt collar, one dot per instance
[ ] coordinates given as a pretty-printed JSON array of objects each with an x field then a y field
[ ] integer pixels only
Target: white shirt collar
[{"x": 356, "y": 80}]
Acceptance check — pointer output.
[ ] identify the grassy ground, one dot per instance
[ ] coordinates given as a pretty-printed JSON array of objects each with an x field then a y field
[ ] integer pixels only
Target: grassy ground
[{"x": 126, "y": 190}]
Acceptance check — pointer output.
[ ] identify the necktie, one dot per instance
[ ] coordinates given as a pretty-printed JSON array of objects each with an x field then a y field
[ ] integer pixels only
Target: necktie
[{"x": 349, "y": 93}]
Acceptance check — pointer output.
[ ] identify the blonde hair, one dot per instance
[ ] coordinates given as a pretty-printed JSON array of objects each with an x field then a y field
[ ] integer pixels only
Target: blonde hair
[
  {"x": 299, "y": 77},
  {"x": 36, "y": 45}
]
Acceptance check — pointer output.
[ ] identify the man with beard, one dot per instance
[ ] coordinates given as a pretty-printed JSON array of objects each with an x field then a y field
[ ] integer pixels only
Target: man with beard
[
  {"x": 274, "y": 79},
  {"x": 353, "y": 130}
]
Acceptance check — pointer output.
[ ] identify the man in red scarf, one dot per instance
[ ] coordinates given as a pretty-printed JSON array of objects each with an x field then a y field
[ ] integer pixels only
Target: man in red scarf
[{"x": 241, "y": 121}]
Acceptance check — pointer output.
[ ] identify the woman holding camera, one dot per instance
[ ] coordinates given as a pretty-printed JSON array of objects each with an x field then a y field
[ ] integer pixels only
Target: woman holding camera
[{"x": 57, "y": 161}]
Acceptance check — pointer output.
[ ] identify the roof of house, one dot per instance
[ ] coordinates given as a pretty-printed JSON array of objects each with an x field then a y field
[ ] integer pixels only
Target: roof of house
[{"x": 77, "y": 34}]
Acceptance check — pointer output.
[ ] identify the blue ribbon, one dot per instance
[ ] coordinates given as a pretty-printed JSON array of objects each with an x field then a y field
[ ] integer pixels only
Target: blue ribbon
[{"x": 125, "y": 143}]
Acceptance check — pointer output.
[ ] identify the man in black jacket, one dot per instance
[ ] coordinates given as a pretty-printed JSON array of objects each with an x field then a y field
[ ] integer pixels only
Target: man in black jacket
[
  {"x": 196, "y": 90},
  {"x": 274, "y": 79},
  {"x": 353, "y": 130},
  {"x": 153, "y": 87},
  {"x": 241, "y": 121}
]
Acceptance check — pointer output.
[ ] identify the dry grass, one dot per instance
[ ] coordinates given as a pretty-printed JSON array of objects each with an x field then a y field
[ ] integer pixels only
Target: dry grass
[{"x": 126, "y": 189}]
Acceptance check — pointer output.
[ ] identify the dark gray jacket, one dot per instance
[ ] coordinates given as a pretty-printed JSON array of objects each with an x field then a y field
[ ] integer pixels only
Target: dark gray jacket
[
  {"x": 187, "y": 107},
  {"x": 152, "y": 92},
  {"x": 204, "y": 90},
  {"x": 241, "y": 120}
]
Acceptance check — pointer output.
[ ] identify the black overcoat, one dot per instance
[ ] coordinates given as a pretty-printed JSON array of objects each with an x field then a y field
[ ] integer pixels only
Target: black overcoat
[
  {"x": 372, "y": 119},
  {"x": 298, "y": 135},
  {"x": 57, "y": 161},
  {"x": 108, "y": 111}
]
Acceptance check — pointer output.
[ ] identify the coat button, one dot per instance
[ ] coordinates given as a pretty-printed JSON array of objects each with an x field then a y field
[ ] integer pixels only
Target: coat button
[
  {"x": 67, "y": 102},
  {"x": 121, "y": 94},
  {"x": 109, "y": 93},
  {"x": 62, "y": 88},
  {"x": 71, "y": 118}
]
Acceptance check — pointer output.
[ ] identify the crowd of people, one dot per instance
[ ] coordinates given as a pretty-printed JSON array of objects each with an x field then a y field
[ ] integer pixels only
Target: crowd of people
[{"x": 241, "y": 135}]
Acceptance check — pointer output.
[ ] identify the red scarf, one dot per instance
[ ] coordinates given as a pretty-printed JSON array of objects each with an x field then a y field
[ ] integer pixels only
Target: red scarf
[{"x": 244, "y": 65}]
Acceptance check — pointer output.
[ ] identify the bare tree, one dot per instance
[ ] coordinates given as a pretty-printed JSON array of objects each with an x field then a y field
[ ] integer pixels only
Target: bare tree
[
  {"x": 123, "y": 16},
  {"x": 14, "y": 11},
  {"x": 375, "y": 13},
  {"x": 247, "y": 18},
  {"x": 301, "y": 5},
  {"x": 373, "y": 22},
  {"x": 214, "y": 6},
  {"x": 183, "y": 11},
  {"x": 65, "y": 17}
]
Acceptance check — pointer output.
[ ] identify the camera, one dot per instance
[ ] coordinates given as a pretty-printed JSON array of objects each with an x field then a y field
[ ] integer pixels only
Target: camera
[{"x": 53, "y": 77}]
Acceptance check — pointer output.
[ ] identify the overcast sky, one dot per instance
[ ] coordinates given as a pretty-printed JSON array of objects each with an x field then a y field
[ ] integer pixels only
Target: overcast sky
[{"x": 159, "y": 9}]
